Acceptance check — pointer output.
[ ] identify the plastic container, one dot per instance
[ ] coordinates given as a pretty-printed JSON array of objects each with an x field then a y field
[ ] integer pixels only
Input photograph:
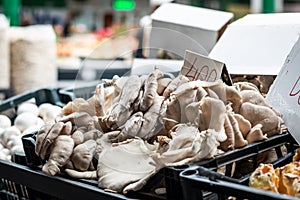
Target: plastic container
[
  {"x": 200, "y": 182},
  {"x": 22, "y": 182}
]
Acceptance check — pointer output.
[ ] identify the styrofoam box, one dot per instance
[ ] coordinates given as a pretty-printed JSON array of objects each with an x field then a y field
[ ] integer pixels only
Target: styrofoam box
[
  {"x": 258, "y": 43},
  {"x": 179, "y": 27}
]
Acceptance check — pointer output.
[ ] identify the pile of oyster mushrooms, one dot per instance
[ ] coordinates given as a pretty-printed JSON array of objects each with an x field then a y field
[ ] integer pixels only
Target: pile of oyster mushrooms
[{"x": 135, "y": 125}]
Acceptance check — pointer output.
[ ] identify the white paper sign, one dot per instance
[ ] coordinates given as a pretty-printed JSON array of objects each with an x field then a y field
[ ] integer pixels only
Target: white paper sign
[
  {"x": 284, "y": 95},
  {"x": 199, "y": 67}
]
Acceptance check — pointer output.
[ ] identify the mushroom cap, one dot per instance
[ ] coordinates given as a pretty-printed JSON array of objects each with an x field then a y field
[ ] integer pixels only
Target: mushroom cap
[
  {"x": 25, "y": 120},
  {"x": 28, "y": 107},
  {"x": 4, "y": 121}
]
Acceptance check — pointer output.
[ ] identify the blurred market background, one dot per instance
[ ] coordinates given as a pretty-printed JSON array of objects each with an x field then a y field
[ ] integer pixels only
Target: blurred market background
[
  {"x": 82, "y": 25},
  {"x": 91, "y": 15}
]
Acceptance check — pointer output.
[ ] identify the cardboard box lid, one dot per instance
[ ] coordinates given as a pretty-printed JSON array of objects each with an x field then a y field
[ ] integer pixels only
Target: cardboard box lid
[
  {"x": 202, "y": 18},
  {"x": 284, "y": 94},
  {"x": 258, "y": 43}
]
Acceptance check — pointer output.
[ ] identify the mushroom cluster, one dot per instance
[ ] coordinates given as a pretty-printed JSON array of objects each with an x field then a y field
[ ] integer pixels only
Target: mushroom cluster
[{"x": 139, "y": 124}]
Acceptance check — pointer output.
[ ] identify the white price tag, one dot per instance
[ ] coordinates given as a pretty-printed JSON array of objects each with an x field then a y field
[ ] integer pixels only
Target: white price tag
[{"x": 199, "y": 67}]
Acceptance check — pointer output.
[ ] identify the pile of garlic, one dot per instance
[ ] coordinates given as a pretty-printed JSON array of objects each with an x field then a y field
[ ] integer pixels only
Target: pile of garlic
[{"x": 30, "y": 118}]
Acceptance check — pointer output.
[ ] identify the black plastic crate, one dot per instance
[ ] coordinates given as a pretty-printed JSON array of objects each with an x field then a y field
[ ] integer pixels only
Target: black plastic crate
[
  {"x": 251, "y": 151},
  {"x": 9, "y": 189},
  {"x": 22, "y": 182},
  {"x": 198, "y": 181}
]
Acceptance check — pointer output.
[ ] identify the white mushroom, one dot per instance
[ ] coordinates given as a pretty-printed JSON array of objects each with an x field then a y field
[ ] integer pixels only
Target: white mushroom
[
  {"x": 43, "y": 108},
  {"x": 8, "y": 132},
  {"x": 28, "y": 107},
  {"x": 3, "y": 156},
  {"x": 6, "y": 151},
  {"x": 14, "y": 140},
  {"x": 25, "y": 120},
  {"x": 40, "y": 122},
  {"x": 4, "y": 121},
  {"x": 49, "y": 112}
]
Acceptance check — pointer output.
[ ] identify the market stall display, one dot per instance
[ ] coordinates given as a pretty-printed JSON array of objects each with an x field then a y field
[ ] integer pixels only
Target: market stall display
[
  {"x": 148, "y": 130},
  {"x": 131, "y": 118},
  {"x": 183, "y": 137}
]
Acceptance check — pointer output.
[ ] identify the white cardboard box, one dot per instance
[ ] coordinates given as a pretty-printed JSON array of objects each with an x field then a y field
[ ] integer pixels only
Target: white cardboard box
[
  {"x": 179, "y": 27},
  {"x": 258, "y": 43},
  {"x": 284, "y": 94}
]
